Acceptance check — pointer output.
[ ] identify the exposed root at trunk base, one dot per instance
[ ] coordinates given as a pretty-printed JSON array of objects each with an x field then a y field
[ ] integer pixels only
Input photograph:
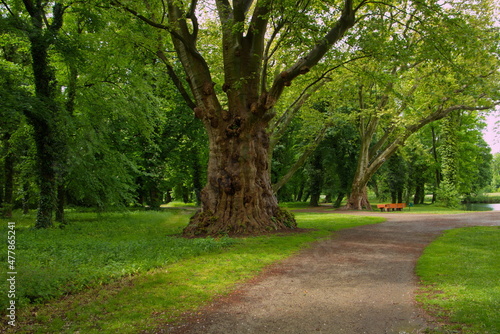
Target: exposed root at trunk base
[
  {"x": 358, "y": 204},
  {"x": 206, "y": 223}
]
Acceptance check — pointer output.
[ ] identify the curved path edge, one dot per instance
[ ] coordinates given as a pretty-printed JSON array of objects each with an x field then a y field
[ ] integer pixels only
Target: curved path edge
[{"x": 361, "y": 280}]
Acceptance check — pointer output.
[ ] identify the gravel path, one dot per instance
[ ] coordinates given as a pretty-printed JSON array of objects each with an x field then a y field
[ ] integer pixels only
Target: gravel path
[{"x": 361, "y": 280}]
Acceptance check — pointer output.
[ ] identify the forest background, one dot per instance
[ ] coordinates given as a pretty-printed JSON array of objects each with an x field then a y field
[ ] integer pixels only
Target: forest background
[{"x": 99, "y": 110}]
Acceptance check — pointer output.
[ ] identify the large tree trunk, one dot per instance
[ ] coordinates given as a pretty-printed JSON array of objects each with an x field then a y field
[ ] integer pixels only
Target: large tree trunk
[
  {"x": 238, "y": 198},
  {"x": 358, "y": 198}
]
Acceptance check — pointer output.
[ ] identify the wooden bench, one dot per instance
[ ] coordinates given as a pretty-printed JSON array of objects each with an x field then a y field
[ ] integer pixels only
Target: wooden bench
[{"x": 391, "y": 207}]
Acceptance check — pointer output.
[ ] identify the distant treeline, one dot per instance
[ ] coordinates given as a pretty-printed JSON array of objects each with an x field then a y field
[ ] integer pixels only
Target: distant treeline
[{"x": 483, "y": 199}]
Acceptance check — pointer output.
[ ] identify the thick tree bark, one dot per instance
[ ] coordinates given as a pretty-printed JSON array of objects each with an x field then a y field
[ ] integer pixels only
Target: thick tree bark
[
  {"x": 238, "y": 197},
  {"x": 358, "y": 198}
]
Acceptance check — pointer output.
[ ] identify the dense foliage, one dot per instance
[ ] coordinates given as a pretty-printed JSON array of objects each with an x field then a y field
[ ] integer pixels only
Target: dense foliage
[{"x": 95, "y": 110}]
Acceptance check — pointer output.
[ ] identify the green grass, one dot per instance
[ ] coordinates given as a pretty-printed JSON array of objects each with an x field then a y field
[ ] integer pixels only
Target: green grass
[
  {"x": 419, "y": 208},
  {"x": 126, "y": 272},
  {"x": 460, "y": 274},
  {"x": 178, "y": 204},
  {"x": 432, "y": 208},
  {"x": 96, "y": 249}
]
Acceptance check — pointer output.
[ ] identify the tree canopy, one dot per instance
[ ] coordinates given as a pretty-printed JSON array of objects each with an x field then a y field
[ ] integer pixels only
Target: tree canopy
[{"x": 128, "y": 103}]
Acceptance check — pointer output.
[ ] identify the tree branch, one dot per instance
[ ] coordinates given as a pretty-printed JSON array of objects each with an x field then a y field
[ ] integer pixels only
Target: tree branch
[
  {"x": 268, "y": 54},
  {"x": 175, "y": 79},
  {"x": 305, "y": 94},
  {"x": 302, "y": 159},
  {"x": 32, "y": 10},
  {"x": 225, "y": 10},
  {"x": 400, "y": 140},
  {"x": 152, "y": 23},
  {"x": 240, "y": 9},
  {"x": 8, "y": 8},
  {"x": 191, "y": 14},
  {"x": 58, "y": 13},
  {"x": 344, "y": 23},
  {"x": 281, "y": 125}
]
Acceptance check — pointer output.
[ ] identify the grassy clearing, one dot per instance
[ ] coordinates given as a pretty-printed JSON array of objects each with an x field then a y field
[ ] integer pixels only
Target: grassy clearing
[
  {"x": 419, "y": 208},
  {"x": 178, "y": 204},
  {"x": 126, "y": 272},
  {"x": 460, "y": 273},
  {"x": 432, "y": 208},
  {"x": 95, "y": 249}
]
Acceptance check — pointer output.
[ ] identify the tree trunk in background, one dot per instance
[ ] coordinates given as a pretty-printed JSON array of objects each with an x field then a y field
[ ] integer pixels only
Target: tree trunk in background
[
  {"x": 61, "y": 201},
  {"x": 44, "y": 118},
  {"x": 316, "y": 179},
  {"x": 416, "y": 197},
  {"x": 26, "y": 207},
  {"x": 338, "y": 201},
  {"x": 168, "y": 196},
  {"x": 400, "y": 196},
  {"x": 61, "y": 177},
  {"x": 300, "y": 193},
  {"x": 358, "y": 198},
  {"x": 197, "y": 184},
  {"x": 46, "y": 174},
  {"x": 437, "y": 172},
  {"x": 8, "y": 200}
]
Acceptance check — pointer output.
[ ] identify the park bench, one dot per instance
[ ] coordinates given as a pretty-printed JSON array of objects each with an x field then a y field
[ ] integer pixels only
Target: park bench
[{"x": 391, "y": 207}]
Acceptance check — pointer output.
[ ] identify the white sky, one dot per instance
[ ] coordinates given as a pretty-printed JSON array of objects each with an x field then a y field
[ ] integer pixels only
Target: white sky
[{"x": 492, "y": 132}]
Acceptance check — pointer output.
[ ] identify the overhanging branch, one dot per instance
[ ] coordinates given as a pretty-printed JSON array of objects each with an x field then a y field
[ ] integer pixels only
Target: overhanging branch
[{"x": 302, "y": 66}]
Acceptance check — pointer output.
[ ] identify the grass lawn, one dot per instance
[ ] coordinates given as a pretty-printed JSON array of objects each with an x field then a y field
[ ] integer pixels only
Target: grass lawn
[
  {"x": 419, "y": 208},
  {"x": 432, "y": 208},
  {"x": 460, "y": 274},
  {"x": 126, "y": 272}
]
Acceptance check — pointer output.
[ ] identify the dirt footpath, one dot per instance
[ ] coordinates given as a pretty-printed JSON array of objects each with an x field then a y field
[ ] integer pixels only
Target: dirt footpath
[{"x": 361, "y": 280}]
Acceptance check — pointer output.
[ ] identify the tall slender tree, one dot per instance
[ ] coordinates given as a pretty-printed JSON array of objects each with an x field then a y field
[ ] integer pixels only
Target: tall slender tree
[
  {"x": 41, "y": 21},
  {"x": 430, "y": 75}
]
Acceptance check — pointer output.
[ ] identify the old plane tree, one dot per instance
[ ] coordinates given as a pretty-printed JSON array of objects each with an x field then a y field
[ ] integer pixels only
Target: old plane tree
[{"x": 237, "y": 110}]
